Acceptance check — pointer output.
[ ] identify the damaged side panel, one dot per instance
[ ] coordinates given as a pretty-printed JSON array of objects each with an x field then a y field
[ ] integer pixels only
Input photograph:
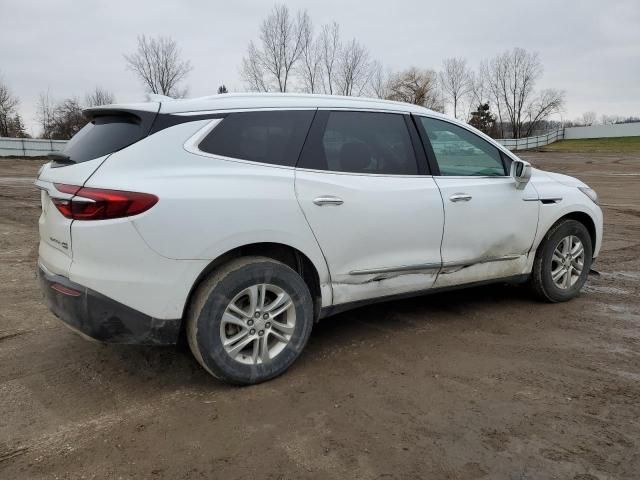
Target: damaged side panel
[
  {"x": 488, "y": 269},
  {"x": 352, "y": 287}
]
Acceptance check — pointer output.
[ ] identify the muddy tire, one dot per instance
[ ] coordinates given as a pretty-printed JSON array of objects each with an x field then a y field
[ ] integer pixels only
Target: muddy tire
[
  {"x": 250, "y": 320},
  {"x": 562, "y": 262}
]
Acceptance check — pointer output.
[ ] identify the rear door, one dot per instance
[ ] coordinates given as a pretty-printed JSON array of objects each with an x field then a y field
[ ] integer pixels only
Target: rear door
[
  {"x": 377, "y": 214},
  {"x": 105, "y": 133}
]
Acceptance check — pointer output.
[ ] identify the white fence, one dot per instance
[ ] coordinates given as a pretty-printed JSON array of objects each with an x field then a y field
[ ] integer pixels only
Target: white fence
[
  {"x": 532, "y": 142},
  {"x": 600, "y": 131},
  {"x": 32, "y": 147},
  {"x": 569, "y": 133},
  {"x": 29, "y": 147}
]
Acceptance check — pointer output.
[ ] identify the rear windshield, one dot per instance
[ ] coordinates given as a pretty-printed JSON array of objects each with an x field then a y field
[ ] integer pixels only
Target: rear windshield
[{"x": 104, "y": 135}]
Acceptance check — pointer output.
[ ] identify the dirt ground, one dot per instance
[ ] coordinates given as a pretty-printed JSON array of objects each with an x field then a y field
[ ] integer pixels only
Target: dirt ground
[{"x": 482, "y": 383}]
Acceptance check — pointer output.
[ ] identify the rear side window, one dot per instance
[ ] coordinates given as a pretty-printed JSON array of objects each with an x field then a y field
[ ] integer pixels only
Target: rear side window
[
  {"x": 361, "y": 142},
  {"x": 274, "y": 137},
  {"x": 104, "y": 135},
  {"x": 460, "y": 152}
]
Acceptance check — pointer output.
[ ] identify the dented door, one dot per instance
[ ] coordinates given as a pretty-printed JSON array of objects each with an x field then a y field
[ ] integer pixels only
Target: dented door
[{"x": 489, "y": 228}]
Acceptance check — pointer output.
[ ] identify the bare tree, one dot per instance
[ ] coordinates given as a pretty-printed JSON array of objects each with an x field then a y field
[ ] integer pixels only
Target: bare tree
[
  {"x": 611, "y": 119},
  {"x": 67, "y": 119},
  {"x": 158, "y": 64},
  {"x": 354, "y": 69},
  {"x": 546, "y": 103},
  {"x": 8, "y": 104},
  {"x": 456, "y": 80},
  {"x": 589, "y": 118},
  {"x": 45, "y": 108},
  {"x": 310, "y": 68},
  {"x": 519, "y": 71},
  {"x": 60, "y": 121},
  {"x": 479, "y": 94},
  {"x": 489, "y": 74},
  {"x": 379, "y": 82},
  {"x": 416, "y": 86},
  {"x": 252, "y": 70},
  {"x": 282, "y": 39},
  {"x": 512, "y": 77},
  {"x": 98, "y": 97},
  {"x": 330, "y": 46}
]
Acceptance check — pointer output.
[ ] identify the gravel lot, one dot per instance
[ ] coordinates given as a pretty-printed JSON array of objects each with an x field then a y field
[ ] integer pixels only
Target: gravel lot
[{"x": 481, "y": 383}]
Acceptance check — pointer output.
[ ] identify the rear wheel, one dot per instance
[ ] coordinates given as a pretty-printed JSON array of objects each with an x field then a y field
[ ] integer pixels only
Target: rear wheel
[
  {"x": 249, "y": 321},
  {"x": 562, "y": 262}
]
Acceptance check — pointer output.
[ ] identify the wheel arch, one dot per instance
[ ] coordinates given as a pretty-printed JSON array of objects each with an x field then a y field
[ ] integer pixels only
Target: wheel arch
[
  {"x": 286, "y": 254},
  {"x": 586, "y": 220},
  {"x": 579, "y": 216}
]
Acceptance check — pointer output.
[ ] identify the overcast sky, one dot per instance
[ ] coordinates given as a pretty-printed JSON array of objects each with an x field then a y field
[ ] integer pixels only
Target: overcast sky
[{"x": 590, "y": 49}]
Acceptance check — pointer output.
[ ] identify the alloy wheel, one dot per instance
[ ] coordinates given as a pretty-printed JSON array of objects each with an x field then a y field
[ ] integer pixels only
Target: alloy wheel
[
  {"x": 567, "y": 262},
  {"x": 258, "y": 324}
]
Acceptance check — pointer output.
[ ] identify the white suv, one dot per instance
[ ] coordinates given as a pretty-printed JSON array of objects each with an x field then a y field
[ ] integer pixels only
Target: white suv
[{"x": 240, "y": 220}]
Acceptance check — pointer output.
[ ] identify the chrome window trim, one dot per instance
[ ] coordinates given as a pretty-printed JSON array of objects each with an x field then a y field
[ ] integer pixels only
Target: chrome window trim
[
  {"x": 194, "y": 113},
  {"x": 502, "y": 177},
  {"x": 192, "y": 143}
]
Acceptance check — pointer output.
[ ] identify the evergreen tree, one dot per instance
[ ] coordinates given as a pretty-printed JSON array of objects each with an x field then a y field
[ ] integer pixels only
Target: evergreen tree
[
  {"x": 222, "y": 89},
  {"x": 16, "y": 127},
  {"x": 483, "y": 120}
]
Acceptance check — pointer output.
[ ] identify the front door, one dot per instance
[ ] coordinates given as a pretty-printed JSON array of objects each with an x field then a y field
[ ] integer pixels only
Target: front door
[
  {"x": 489, "y": 224},
  {"x": 377, "y": 216}
]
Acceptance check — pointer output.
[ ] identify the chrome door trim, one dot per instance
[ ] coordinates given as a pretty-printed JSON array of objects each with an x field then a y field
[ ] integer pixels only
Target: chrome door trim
[
  {"x": 543, "y": 199},
  {"x": 477, "y": 261},
  {"x": 433, "y": 266},
  {"x": 403, "y": 268}
]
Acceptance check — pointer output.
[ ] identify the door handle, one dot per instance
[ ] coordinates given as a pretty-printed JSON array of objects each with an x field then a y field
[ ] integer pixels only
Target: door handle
[
  {"x": 327, "y": 200},
  {"x": 460, "y": 197}
]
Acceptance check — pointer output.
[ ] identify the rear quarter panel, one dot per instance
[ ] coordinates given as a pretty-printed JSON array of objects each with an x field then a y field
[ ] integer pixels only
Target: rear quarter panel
[{"x": 209, "y": 205}]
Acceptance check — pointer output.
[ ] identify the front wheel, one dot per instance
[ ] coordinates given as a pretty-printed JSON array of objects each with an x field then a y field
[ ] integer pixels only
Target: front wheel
[
  {"x": 250, "y": 320},
  {"x": 562, "y": 262}
]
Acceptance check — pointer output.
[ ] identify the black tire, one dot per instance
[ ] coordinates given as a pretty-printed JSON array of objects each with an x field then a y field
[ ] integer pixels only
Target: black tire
[
  {"x": 541, "y": 281},
  {"x": 210, "y": 301}
]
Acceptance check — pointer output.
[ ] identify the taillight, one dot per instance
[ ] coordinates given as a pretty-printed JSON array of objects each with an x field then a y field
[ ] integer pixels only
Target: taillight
[{"x": 100, "y": 204}]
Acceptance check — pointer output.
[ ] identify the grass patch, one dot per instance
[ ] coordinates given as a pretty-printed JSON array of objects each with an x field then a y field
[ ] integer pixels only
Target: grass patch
[{"x": 596, "y": 145}]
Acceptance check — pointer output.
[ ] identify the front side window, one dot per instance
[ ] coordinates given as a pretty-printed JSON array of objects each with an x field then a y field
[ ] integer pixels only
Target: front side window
[
  {"x": 273, "y": 137},
  {"x": 361, "y": 142},
  {"x": 459, "y": 152}
]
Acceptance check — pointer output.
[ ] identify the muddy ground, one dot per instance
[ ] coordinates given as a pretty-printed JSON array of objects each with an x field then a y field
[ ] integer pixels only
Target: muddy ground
[{"x": 483, "y": 383}]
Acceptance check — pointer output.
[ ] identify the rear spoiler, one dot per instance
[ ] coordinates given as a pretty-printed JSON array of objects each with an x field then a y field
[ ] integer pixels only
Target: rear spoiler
[{"x": 143, "y": 114}]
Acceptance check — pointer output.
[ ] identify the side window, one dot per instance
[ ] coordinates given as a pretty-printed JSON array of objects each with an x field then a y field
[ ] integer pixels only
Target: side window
[
  {"x": 274, "y": 137},
  {"x": 460, "y": 152},
  {"x": 361, "y": 142}
]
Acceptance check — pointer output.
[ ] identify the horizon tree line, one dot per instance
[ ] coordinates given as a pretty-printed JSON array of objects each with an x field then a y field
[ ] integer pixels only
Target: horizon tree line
[{"x": 289, "y": 55}]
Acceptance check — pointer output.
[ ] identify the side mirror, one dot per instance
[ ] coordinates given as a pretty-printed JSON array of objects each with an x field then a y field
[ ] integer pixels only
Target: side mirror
[{"x": 521, "y": 173}]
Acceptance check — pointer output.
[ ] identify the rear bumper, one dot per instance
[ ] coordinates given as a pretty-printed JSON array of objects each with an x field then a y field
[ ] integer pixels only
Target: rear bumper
[{"x": 102, "y": 318}]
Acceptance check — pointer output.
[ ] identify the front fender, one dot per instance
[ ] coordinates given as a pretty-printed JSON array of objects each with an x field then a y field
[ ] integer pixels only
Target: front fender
[{"x": 559, "y": 200}]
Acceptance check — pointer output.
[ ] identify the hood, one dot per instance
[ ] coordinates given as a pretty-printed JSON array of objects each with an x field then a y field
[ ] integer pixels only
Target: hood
[{"x": 560, "y": 178}]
